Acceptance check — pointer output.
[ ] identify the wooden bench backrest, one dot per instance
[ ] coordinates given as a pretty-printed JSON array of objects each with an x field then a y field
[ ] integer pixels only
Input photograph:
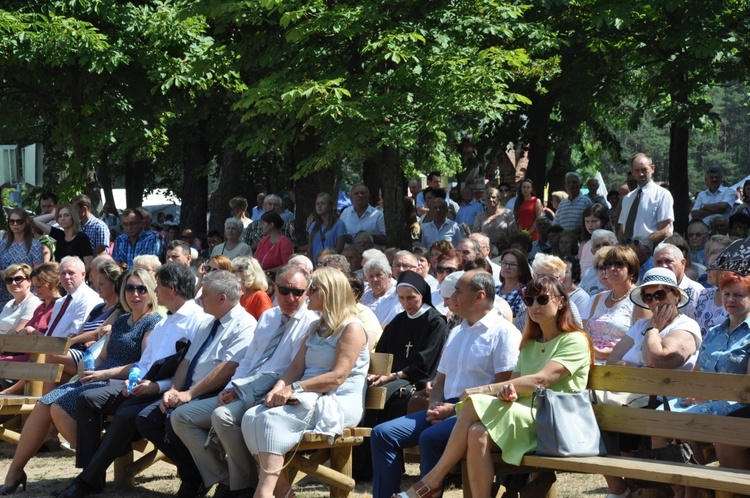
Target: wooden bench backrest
[
  {"x": 35, "y": 369},
  {"x": 673, "y": 383},
  {"x": 380, "y": 364}
]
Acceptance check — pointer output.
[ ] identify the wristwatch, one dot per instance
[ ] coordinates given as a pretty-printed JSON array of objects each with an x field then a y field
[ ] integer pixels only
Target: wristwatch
[{"x": 297, "y": 388}]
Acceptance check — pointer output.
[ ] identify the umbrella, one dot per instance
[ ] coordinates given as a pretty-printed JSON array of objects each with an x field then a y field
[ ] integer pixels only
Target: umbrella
[{"x": 735, "y": 258}]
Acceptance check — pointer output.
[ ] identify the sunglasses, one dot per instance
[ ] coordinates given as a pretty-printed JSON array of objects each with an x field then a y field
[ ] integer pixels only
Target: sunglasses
[
  {"x": 15, "y": 221},
  {"x": 611, "y": 264},
  {"x": 284, "y": 291},
  {"x": 542, "y": 300},
  {"x": 14, "y": 280},
  {"x": 446, "y": 269},
  {"x": 659, "y": 295},
  {"x": 136, "y": 289}
]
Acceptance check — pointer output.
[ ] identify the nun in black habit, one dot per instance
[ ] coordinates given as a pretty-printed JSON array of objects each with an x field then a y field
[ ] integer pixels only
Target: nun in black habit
[{"x": 415, "y": 338}]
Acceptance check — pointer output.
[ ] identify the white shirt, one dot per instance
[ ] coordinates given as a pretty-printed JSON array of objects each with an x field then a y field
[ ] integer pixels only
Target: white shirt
[
  {"x": 13, "y": 313},
  {"x": 656, "y": 205},
  {"x": 385, "y": 307},
  {"x": 637, "y": 331},
  {"x": 693, "y": 290},
  {"x": 722, "y": 194},
  {"x": 83, "y": 301},
  {"x": 229, "y": 344},
  {"x": 269, "y": 323},
  {"x": 474, "y": 354},
  {"x": 183, "y": 323},
  {"x": 495, "y": 272},
  {"x": 371, "y": 221},
  {"x": 432, "y": 282},
  {"x": 449, "y": 230}
]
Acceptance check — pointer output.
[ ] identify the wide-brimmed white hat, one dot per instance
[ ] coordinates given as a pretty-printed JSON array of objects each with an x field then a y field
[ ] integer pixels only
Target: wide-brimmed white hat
[{"x": 658, "y": 276}]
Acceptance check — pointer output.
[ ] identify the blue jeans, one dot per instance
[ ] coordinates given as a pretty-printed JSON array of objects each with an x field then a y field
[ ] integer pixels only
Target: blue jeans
[{"x": 389, "y": 438}]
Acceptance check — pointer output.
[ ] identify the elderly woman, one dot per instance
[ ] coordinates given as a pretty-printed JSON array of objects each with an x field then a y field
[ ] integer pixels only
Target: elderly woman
[
  {"x": 232, "y": 247},
  {"x": 555, "y": 354},
  {"x": 709, "y": 309},
  {"x": 69, "y": 239},
  {"x": 496, "y": 222},
  {"x": 274, "y": 249},
  {"x": 381, "y": 297},
  {"x": 415, "y": 338},
  {"x": 254, "y": 298},
  {"x": 611, "y": 313},
  {"x": 326, "y": 378},
  {"x": 147, "y": 262},
  {"x": 123, "y": 348},
  {"x": 590, "y": 280},
  {"x": 18, "y": 311},
  {"x": 19, "y": 246}
]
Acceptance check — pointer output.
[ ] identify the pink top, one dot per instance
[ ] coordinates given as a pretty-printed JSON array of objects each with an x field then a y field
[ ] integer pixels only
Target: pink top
[{"x": 271, "y": 255}]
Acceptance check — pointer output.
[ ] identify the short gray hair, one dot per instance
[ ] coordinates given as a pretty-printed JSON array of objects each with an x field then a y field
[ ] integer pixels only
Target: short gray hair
[
  {"x": 234, "y": 221},
  {"x": 377, "y": 264},
  {"x": 292, "y": 271},
  {"x": 75, "y": 260},
  {"x": 410, "y": 254},
  {"x": 223, "y": 282},
  {"x": 374, "y": 254},
  {"x": 101, "y": 260},
  {"x": 572, "y": 173},
  {"x": 147, "y": 262},
  {"x": 302, "y": 261},
  {"x": 481, "y": 280},
  {"x": 666, "y": 246},
  {"x": 473, "y": 243},
  {"x": 337, "y": 261},
  {"x": 604, "y": 234}
]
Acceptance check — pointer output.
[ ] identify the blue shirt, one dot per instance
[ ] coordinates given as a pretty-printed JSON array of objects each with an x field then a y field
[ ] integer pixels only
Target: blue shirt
[
  {"x": 723, "y": 352},
  {"x": 570, "y": 212},
  {"x": 147, "y": 243},
  {"x": 468, "y": 212},
  {"x": 328, "y": 240},
  {"x": 98, "y": 233},
  {"x": 449, "y": 231}
]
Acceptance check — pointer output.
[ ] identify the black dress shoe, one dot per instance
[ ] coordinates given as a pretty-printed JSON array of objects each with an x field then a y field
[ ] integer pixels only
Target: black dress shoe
[
  {"x": 190, "y": 490},
  {"x": 77, "y": 489}
]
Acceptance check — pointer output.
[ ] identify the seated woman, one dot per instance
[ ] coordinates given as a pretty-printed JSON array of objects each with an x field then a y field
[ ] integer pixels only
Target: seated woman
[
  {"x": 19, "y": 310},
  {"x": 213, "y": 264},
  {"x": 611, "y": 313},
  {"x": 123, "y": 348},
  {"x": 555, "y": 354},
  {"x": 381, "y": 297},
  {"x": 254, "y": 298},
  {"x": 327, "y": 378},
  {"x": 447, "y": 263},
  {"x": 415, "y": 338}
]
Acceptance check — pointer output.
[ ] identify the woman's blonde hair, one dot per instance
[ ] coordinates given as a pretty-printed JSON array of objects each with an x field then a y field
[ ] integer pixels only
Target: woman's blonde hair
[
  {"x": 253, "y": 276},
  {"x": 338, "y": 299},
  {"x": 15, "y": 268},
  {"x": 148, "y": 281}
]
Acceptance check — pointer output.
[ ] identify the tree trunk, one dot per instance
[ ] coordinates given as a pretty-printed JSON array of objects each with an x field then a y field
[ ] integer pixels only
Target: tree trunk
[
  {"x": 195, "y": 181},
  {"x": 388, "y": 167},
  {"x": 678, "y": 175},
  {"x": 230, "y": 185},
  {"x": 374, "y": 177},
  {"x": 135, "y": 181},
  {"x": 561, "y": 164},
  {"x": 539, "y": 141},
  {"x": 105, "y": 180}
]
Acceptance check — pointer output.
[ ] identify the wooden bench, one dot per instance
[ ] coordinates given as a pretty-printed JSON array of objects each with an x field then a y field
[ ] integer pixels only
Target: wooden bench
[
  {"x": 35, "y": 372},
  {"x": 311, "y": 457},
  {"x": 685, "y": 426}
]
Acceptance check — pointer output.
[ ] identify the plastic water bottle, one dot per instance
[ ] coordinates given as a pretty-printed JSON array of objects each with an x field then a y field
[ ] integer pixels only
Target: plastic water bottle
[
  {"x": 89, "y": 362},
  {"x": 134, "y": 377}
]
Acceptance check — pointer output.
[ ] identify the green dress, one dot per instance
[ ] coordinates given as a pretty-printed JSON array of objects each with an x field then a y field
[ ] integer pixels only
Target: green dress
[{"x": 511, "y": 424}]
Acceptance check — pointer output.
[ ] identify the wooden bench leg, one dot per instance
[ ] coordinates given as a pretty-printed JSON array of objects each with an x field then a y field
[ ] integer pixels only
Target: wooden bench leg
[
  {"x": 341, "y": 461},
  {"x": 123, "y": 478}
]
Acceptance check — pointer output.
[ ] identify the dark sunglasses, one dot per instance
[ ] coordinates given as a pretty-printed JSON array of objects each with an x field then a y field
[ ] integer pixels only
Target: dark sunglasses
[
  {"x": 612, "y": 264},
  {"x": 284, "y": 291},
  {"x": 14, "y": 280},
  {"x": 137, "y": 289},
  {"x": 659, "y": 295},
  {"x": 635, "y": 242},
  {"x": 542, "y": 300},
  {"x": 15, "y": 221},
  {"x": 446, "y": 269}
]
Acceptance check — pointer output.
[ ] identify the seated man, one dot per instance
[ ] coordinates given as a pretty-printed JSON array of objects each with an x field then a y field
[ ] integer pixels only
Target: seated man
[
  {"x": 277, "y": 339},
  {"x": 210, "y": 363},
  {"x": 94, "y": 453},
  {"x": 482, "y": 350}
]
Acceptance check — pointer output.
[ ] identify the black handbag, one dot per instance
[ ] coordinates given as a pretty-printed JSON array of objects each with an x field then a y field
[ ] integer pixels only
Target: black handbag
[
  {"x": 164, "y": 368},
  {"x": 675, "y": 451}
]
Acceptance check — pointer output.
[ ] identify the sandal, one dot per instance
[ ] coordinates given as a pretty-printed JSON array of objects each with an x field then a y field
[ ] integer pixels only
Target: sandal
[{"x": 421, "y": 490}]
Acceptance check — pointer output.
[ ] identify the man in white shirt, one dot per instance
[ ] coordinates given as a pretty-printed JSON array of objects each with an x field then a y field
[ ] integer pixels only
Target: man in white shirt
[
  {"x": 670, "y": 256},
  {"x": 70, "y": 312},
  {"x": 716, "y": 200},
  {"x": 251, "y": 381},
  {"x": 94, "y": 453},
  {"x": 361, "y": 216},
  {"x": 647, "y": 211},
  {"x": 485, "y": 251},
  {"x": 440, "y": 228},
  {"x": 217, "y": 350}
]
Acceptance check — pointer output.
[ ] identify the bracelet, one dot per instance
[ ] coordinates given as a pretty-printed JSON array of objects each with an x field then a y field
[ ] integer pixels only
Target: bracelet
[{"x": 650, "y": 328}]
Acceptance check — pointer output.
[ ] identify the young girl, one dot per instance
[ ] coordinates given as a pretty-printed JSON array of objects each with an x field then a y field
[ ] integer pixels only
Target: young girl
[{"x": 593, "y": 218}]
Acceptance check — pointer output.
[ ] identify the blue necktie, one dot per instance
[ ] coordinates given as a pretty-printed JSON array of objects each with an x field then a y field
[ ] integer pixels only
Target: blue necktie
[{"x": 194, "y": 361}]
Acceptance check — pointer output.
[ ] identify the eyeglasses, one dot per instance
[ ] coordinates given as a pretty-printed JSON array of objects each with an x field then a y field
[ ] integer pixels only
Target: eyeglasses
[
  {"x": 14, "y": 280},
  {"x": 503, "y": 190},
  {"x": 403, "y": 266},
  {"x": 698, "y": 234},
  {"x": 508, "y": 264},
  {"x": 284, "y": 291},
  {"x": 659, "y": 295},
  {"x": 136, "y": 289},
  {"x": 209, "y": 269},
  {"x": 611, "y": 264},
  {"x": 15, "y": 221},
  {"x": 446, "y": 269},
  {"x": 542, "y": 300}
]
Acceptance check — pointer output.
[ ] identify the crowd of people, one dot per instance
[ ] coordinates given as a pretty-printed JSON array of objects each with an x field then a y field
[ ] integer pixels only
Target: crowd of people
[{"x": 243, "y": 341}]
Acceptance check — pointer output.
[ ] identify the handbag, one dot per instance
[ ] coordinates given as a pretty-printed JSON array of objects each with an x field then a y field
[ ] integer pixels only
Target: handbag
[
  {"x": 675, "y": 451},
  {"x": 566, "y": 424}
]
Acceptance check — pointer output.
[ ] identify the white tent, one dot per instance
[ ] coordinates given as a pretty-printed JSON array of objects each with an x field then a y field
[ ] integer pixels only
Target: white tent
[{"x": 158, "y": 201}]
